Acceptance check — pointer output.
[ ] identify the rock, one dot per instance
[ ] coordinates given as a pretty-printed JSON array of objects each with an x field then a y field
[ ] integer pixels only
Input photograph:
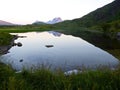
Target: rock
[
  {"x": 72, "y": 72},
  {"x": 49, "y": 46},
  {"x": 14, "y": 44},
  {"x": 22, "y": 36},
  {"x": 19, "y": 44},
  {"x": 21, "y": 60}
]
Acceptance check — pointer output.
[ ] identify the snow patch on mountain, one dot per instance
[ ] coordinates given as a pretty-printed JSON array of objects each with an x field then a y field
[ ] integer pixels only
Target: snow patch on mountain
[{"x": 55, "y": 20}]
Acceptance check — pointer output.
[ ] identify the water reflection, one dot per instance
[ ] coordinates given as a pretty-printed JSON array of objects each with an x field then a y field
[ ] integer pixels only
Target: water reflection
[
  {"x": 68, "y": 53},
  {"x": 56, "y": 34}
]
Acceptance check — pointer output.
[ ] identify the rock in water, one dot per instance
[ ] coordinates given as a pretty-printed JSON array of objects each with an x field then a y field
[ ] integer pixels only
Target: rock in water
[
  {"x": 21, "y": 60},
  {"x": 49, "y": 46},
  {"x": 19, "y": 44}
]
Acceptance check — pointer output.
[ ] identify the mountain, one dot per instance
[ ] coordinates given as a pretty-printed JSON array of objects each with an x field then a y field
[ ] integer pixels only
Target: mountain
[
  {"x": 39, "y": 23},
  {"x": 55, "y": 20},
  {"x": 5, "y": 23}
]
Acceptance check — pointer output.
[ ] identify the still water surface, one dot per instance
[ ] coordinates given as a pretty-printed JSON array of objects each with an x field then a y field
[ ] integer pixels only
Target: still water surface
[{"x": 66, "y": 52}]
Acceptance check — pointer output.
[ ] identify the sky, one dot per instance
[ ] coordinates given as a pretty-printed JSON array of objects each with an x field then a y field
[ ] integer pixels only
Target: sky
[{"x": 29, "y": 11}]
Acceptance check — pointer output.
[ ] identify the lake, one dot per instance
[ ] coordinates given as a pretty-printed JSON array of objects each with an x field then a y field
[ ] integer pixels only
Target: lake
[{"x": 56, "y": 50}]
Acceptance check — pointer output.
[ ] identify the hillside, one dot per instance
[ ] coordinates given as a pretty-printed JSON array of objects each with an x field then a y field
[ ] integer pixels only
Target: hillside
[
  {"x": 106, "y": 14},
  {"x": 5, "y": 23}
]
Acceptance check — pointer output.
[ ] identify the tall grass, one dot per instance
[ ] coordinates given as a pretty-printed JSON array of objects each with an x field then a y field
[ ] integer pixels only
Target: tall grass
[{"x": 44, "y": 79}]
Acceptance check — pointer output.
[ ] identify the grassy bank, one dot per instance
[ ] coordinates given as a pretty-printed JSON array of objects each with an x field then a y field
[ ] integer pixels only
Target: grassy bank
[
  {"x": 5, "y": 38},
  {"x": 44, "y": 79}
]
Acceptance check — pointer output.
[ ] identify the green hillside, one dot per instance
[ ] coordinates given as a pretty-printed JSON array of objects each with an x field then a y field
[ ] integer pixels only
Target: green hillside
[{"x": 106, "y": 14}]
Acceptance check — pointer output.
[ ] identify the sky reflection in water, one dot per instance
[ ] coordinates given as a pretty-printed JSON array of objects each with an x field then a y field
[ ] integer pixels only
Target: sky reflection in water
[{"x": 68, "y": 52}]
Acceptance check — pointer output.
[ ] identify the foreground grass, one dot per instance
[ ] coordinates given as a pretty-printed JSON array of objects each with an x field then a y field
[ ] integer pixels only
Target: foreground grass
[{"x": 44, "y": 79}]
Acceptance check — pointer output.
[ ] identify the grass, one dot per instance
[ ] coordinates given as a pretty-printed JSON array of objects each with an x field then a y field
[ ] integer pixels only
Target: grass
[
  {"x": 5, "y": 38},
  {"x": 44, "y": 79},
  {"x": 25, "y": 28}
]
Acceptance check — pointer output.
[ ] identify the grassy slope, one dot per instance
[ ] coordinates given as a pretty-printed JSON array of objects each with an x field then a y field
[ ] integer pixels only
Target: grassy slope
[{"x": 108, "y": 13}]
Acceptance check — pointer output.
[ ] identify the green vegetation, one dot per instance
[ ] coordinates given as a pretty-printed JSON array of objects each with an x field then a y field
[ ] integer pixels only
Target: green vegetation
[
  {"x": 106, "y": 14},
  {"x": 44, "y": 79},
  {"x": 26, "y": 28},
  {"x": 5, "y": 38}
]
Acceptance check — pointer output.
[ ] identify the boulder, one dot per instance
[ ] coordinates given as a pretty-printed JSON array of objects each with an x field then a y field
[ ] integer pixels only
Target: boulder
[
  {"x": 19, "y": 44},
  {"x": 49, "y": 46}
]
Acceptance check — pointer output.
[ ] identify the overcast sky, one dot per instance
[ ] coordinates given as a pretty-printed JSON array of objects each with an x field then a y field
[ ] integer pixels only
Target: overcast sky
[{"x": 28, "y": 11}]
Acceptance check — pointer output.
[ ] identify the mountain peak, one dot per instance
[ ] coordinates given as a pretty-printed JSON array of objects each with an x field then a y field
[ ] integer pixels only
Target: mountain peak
[{"x": 55, "y": 20}]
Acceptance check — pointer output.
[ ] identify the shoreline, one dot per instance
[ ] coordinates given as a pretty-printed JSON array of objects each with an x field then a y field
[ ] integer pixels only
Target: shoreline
[{"x": 5, "y": 49}]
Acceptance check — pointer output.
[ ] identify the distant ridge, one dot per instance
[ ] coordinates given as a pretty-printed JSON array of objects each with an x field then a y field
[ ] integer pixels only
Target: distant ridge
[
  {"x": 38, "y": 23},
  {"x": 53, "y": 21},
  {"x": 2, "y": 23}
]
